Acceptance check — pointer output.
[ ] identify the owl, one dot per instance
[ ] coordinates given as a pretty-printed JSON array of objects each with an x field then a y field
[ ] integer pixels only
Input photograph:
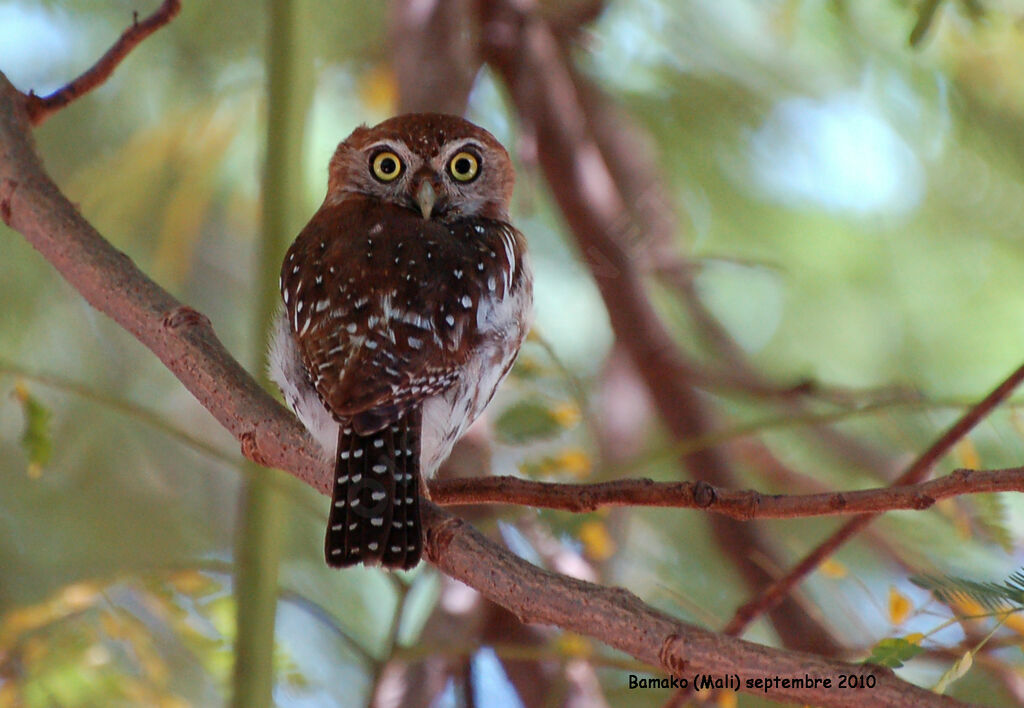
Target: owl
[{"x": 406, "y": 299}]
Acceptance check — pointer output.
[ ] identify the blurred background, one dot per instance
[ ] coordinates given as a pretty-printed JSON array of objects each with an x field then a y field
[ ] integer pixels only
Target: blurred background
[{"x": 824, "y": 201}]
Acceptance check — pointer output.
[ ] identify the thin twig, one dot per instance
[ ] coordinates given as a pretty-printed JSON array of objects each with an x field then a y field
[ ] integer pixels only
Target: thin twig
[
  {"x": 743, "y": 505},
  {"x": 774, "y": 593},
  {"x": 42, "y": 107}
]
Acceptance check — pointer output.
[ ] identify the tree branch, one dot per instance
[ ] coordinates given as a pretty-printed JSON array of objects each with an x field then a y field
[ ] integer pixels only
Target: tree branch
[
  {"x": 433, "y": 54},
  {"x": 181, "y": 337},
  {"x": 622, "y": 620},
  {"x": 524, "y": 50},
  {"x": 42, "y": 107},
  {"x": 184, "y": 340},
  {"x": 743, "y": 505},
  {"x": 918, "y": 469}
]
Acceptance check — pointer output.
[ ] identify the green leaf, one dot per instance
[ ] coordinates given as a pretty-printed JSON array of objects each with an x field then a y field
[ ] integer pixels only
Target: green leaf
[
  {"x": 526, "y": 421},
  {"x": 35, "y": 439},
  {"x": 892, "y": 652},
  {"x": 991, "y": 596}
]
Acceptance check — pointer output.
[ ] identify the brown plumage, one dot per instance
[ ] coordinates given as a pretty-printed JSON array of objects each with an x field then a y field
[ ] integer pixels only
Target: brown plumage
[{"x": 407, "y": 297}]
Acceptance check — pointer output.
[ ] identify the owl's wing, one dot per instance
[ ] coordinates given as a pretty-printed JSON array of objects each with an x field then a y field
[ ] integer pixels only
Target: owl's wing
[
  {"x": 393, "y": 316},
  {"x": 373, "y": 374}
]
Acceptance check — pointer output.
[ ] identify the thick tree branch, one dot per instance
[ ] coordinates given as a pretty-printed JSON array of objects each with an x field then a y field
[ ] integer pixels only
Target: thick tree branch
[
  {"x": 622, "y": 620},
  {"x": 433, "y": 54},
  {"x": 742, "y": 505},
  {"x": 524, "y": 50},
  {"x": 42, "y": 107},
  {"x": 184, "y": 340}
]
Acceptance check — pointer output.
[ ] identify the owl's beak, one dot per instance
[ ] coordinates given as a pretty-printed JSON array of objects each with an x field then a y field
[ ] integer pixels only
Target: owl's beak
[{"x": 425, "y": 198}]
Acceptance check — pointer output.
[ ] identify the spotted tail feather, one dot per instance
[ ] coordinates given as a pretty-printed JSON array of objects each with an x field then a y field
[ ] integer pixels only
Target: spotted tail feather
[{"x": 375, "y": 512}]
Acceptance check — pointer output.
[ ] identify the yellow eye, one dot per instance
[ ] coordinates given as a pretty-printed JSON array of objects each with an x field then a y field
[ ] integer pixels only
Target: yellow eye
[
  {"x": 464, "y": 166},
  {"x": 386, "y": 166}
]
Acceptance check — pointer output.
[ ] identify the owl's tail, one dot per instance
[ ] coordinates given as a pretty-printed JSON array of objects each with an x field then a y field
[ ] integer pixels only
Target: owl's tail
[{"x": 375, "y": 506}]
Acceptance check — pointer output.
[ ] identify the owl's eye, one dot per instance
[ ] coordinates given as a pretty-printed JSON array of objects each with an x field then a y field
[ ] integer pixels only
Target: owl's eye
[
  {"x": 386, "y": 166},
  {"x": 464, "y": 166}
]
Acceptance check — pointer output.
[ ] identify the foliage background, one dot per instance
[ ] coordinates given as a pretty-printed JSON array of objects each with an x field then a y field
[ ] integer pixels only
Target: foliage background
[{"x": 852, "y": 206}]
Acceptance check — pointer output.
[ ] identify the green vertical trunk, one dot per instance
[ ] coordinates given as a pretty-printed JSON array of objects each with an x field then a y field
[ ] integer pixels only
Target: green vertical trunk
[{"x": 262, "y": 518}]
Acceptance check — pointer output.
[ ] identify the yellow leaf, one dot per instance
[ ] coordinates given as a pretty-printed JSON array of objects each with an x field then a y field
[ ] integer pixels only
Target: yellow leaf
[
  {"x": 570, "y": 644},
  {"x": 967, "y": 454},
  {"x": 377, "y": 89},
  {"x": 914, "y": 638},
  {"x": 899, "y": 606},
  {"x": 189, "y": 582},
  {"x": 21, "y": 390},
  {"x": 575, "y": 461},
  {"x": 968, "y": 607},
  {"x": 527, "y": 367},
  {"x": 1014, "y": 622},
  {"x": 567, "y": 414},
  {"x": 831, "y": 568},
  {"x": 596, "y": 540},
  {"x": 726, "y": 699}
]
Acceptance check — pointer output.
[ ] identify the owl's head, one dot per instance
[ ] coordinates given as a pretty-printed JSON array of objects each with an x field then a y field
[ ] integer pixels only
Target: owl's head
[{"x": 440, "y": 166}]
